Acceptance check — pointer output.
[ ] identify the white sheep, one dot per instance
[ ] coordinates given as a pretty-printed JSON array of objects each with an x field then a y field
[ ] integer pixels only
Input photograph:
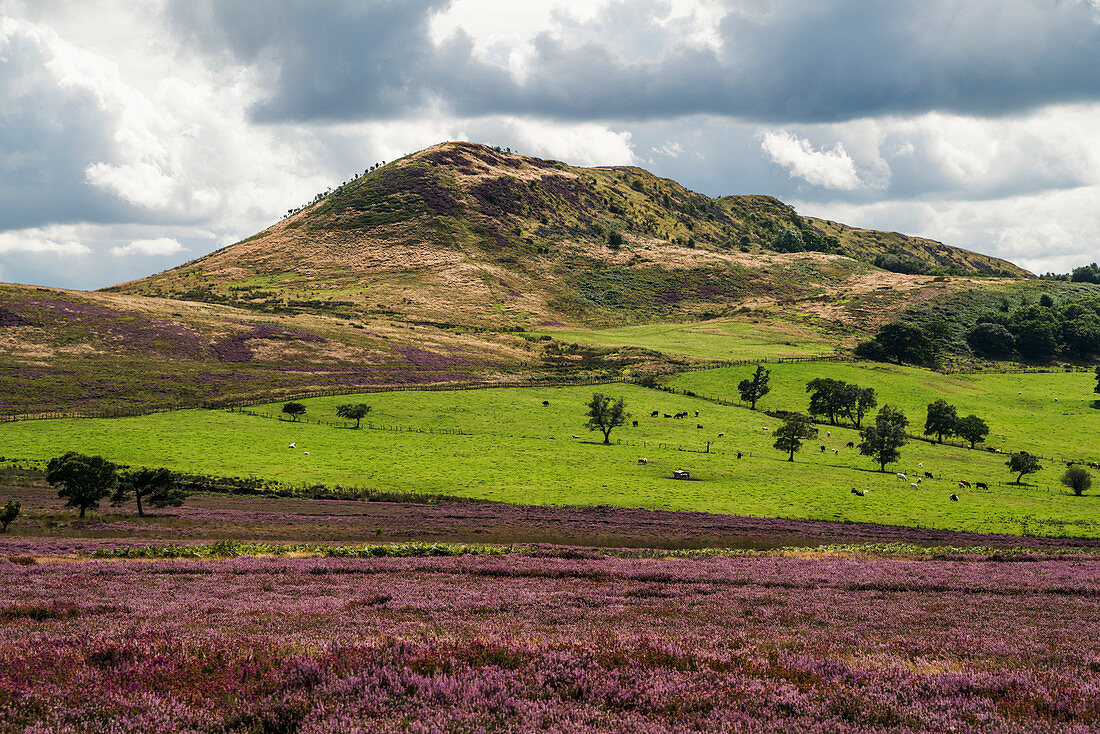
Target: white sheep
[
  {"x": 306, "y": 453},
  {"x": 293, "y": 446},
  {"x": 901, "y": 476},
  {"x": 913, "y": 485}
]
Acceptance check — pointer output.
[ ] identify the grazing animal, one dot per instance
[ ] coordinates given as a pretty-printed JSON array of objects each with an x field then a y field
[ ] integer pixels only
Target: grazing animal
[
  {"x": 835, "y": 452},
  {"x": 981, "y": 485},
  {"x": 720, "y": 435},
  {"x": 306, "y": 453},
  {"x": 635, "y": 423},
  {"x": 901, "y": 476},
  {"x": 654, "y": 414},
  {"x": 666, "y": 415},
  {"x": 738, "y": 454},
  {"x": 1094, "y": 465},
  {"x": 860, "y": 492},
  {"x": 829, "y": 434},
  {"x": 823, "y": 449},
  {"x": 643, "y": 461},
  {"x": 576, "y": 436},
  {"x": 928, "y": 475},
  {"x": 954, "y": 498},
  {"x": 697, "y": 414},
  {"x": 913, "y": 485},
  {"x": 293, "y": 445},
  {"x": 765, "y": 428},
  {"x": 698, "y": 426},
  {"x": 545, "y": 402},
  {"x": 851, "y": 444},
  {"x": 921, "y": 463},
  {"x": 963, "y": 484}
]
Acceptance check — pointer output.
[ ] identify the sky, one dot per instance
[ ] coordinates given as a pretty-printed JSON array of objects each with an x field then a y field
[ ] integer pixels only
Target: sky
[{"x": 135, "y": 136}]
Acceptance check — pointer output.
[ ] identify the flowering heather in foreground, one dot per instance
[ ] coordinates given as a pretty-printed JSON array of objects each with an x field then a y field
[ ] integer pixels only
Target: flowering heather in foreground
[{"x": 528, "y": 643}]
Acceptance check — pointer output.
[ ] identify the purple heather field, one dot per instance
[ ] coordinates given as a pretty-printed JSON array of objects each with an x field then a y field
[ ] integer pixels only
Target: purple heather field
[{"x": 554, "y": 641}]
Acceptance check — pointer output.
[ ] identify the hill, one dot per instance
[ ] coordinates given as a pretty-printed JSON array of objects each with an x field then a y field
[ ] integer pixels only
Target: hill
[{"x": 464, "y": 235}]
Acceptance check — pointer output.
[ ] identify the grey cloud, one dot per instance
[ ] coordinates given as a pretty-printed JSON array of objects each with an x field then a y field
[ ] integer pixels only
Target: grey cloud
[
  {"x": 48, "y": 136},
  {"x": 801, "y": 61}
]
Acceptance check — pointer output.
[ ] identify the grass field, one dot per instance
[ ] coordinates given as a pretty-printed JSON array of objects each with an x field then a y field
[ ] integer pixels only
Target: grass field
[
  {"x": 722, "y": 339},
  {"x": 512, "y": 448}
]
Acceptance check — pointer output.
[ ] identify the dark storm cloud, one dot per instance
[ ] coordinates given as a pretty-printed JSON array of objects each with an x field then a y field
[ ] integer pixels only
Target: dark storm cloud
[{"x": 792, "y": 61}]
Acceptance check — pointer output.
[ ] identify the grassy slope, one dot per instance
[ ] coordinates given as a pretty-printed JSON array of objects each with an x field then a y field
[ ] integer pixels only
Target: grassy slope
[{"x": 519, "y": 451}]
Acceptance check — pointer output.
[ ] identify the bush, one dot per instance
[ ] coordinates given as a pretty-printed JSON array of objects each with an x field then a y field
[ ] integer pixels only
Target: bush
[{"x": 1078, "y": 479}]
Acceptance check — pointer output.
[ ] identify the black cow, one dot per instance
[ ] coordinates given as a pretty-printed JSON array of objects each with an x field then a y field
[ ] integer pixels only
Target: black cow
[
  {"x": 928, "y": 475},
  {"x": 851, "y": 444},
  {"x": 654, "y": 414},
  {"x": 981, "y": 485}
]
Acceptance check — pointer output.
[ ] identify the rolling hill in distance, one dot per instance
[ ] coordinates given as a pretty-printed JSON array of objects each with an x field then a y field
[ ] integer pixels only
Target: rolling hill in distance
[{"x": 463, "y": 262}]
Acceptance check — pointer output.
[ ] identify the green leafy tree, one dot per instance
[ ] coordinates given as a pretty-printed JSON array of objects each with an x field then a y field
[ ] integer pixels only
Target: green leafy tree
[
  {"x": 1077, "y": 479},
  {"x": 294, "y": 410},
  {"x": 353, "y": 412},
  {"x": 605, "y": 414},
  {"x": 827, "y": 397},
  {"x": 941, "y": 420},
  {"x": 754, "y": 388},
  {"x": 157, "y": 486},
  {"x": 902, "y": 341},
  {"x": 789, "y": 436},
  {"x": 858, "y": 401},
  {"x": 990, "y": 340},
  {"x": 882, "y": 440},
  {"x": 8, "y": 514},
  {"x": 971, "y": 428},
  {"x": 84, "y": 480},
  {"x": 1021, "y": 463}
]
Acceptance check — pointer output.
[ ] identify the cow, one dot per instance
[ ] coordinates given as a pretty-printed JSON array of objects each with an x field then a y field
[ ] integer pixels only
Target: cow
[
  {"x": 1094, "y": 465},
  {"x": 764, "y": 428},
  {"x": 634, "y": 423},
  {"x": 720, "y": 435},
  {"x": 981, "y": 485},
  {"x": 851, "y": 444},
  {"x": 835, "y": 452},
  {"x": 576, "y": 436},
  {"x": 920, "y": 463},
  {"x": 738, "y": 454},
  {"x": 860, "y": 492},
  {"x": 823, "y": 449},
  {"x": 666, "y": 415},
  {"x": 698, "y": 425},
  {"x": 654, "y": 414},
  {"x": 964, "y": 484},
  {"x": 954, "y": 498},
  {"x": 643, "y": 461},
  {"x": 545, "y": 402},
  {"x": 697, "y": 414},
  {"x": 928, "y": 475}
]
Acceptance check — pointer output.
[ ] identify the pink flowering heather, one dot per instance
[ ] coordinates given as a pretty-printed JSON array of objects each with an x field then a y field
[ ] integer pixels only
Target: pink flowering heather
[{"x": 548, "y": 643}]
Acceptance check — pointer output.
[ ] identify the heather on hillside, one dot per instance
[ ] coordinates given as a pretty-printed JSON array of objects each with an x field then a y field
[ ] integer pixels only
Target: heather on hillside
[{"x": 512, "y": 643}]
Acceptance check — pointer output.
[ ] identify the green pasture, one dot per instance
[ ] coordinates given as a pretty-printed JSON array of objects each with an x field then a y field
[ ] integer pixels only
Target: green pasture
[
  {"x": 724, "y": 339},
  {"x": 1052, "y": 414},
  {"x": 505, "y": 445}
]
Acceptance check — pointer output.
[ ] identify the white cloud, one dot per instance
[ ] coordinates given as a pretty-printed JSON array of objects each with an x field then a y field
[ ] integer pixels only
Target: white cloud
[
  {"x": 159, "y": 246},
  {"x": 672, "y": 149},
  {"x": 42, "y": 241},
  {"x": 830, "y": 169}
]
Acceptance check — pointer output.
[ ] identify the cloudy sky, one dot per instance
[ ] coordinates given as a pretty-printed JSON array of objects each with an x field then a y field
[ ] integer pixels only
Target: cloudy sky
[{"x": 138, "y": 135}]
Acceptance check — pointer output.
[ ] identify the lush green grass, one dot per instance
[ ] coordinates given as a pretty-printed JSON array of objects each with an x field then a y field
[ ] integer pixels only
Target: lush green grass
[
  {"x": 1051, "y": 414},
  {"x": 723, "y": 339},
  {"x": 517, "y": 450}
]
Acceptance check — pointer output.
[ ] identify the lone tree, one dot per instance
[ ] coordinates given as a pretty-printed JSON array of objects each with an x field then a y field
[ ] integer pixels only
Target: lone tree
[
  {"x": 1022, "y": 463},
  {"x": 605, "y": 414},
  {"x": 755, "y": 387},
  {"x": 11, "y": 511},
  {"x": 84, "y": 480},
  {"x": 158, "y": 486},
  {"x": 941, "y": 421},
  {"x": 972, "y": 429},
  {"x": 353, "y": 412},
  {"x": 882, "y": 440},
  {"x": 1076, "y": 478},
  {"x": 294, "y": 410},
  {"x": 788, "y": 437}
]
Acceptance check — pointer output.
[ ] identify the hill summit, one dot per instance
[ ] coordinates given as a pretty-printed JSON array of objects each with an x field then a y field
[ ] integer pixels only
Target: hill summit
[{"x": 465, "y": 234}]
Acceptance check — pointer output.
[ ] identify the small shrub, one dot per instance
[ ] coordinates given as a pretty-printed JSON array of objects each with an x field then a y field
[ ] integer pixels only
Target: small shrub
[{"x": 1078, "y": 479}]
